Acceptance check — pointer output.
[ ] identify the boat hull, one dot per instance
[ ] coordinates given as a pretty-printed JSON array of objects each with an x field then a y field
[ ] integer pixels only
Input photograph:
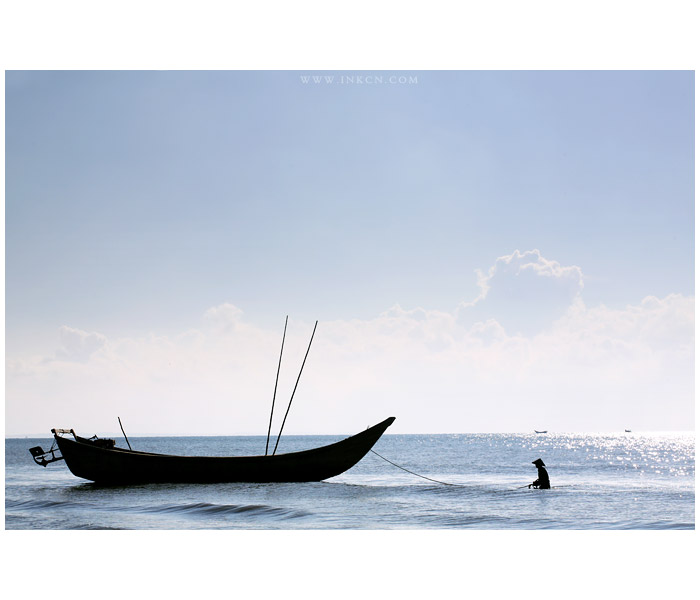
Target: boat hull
[{"x": 120, "y": 466}]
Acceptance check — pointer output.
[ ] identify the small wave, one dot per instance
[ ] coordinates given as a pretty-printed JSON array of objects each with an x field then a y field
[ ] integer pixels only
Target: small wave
[
  {"x": 195, "y": 509},
  {"x": 206, "y": 509},
  {"x": 640, "y": 524},
  {"x": 468, "y": 521},
  {"x": 36, "y": 504},
  {"x": 93, "y": 527}
]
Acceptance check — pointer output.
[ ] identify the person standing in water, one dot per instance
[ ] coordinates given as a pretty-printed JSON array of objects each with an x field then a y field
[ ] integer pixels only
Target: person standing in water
[{"x": 542, "y": 481}]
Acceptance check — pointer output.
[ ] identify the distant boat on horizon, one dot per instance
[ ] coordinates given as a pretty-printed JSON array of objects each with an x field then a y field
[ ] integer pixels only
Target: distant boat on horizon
[
  {"x": 545, "y": 431},
  {"x": 628, "y": 431}
]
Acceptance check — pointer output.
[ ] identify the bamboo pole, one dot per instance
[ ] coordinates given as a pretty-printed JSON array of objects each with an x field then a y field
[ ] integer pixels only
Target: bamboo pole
[
  {"x": 295, "y": 389},
  {"x": 274, "y": 394}
]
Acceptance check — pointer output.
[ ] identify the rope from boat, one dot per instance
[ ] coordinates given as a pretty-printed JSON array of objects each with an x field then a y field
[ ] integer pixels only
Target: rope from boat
[{"x": 411, "y": 472}]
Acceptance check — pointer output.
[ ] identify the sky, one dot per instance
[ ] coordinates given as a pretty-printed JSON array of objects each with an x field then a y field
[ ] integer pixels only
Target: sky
[{"x": 484, "y": 251}]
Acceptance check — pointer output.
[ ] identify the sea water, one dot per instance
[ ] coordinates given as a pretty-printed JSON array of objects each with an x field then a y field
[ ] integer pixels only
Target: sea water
[{"x": 600, "y": 481}]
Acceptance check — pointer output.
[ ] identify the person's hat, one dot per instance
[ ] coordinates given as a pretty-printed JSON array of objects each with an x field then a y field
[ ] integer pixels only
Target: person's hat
[{"x": 538, "y": 463}]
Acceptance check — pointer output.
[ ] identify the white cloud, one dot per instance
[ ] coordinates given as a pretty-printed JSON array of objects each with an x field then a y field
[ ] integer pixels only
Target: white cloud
[
  {"x": 583, "y": 368},
  {"x": 524, "y": 292},
  {"x": 78, "y": 345},
  {"x": 224, "y": 318},
  {"x": 532, "y": 260}
]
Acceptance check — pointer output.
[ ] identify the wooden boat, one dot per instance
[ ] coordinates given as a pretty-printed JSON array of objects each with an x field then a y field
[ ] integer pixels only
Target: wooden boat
[
  {"x": 100, "y": 461},
  {"x": 545, "y": 431}
]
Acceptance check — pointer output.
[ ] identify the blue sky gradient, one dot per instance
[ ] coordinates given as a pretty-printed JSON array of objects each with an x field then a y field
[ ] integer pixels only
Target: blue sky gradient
[{"x": 135, "y": 197}]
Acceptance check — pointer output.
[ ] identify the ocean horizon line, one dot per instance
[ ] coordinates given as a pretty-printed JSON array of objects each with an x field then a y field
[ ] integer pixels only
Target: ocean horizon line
[{"x": 528, "y": 432}]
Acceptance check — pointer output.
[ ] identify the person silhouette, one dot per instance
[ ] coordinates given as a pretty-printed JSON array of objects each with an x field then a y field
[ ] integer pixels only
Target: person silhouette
[{"x": 542, "y": 481}]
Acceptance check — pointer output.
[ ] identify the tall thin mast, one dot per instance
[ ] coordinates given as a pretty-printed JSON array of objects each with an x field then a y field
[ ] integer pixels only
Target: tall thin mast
[
  {"x": 295, "y": 389},
  {"x": 126, "y": 438},
  {"x": 274, "y": 394}
]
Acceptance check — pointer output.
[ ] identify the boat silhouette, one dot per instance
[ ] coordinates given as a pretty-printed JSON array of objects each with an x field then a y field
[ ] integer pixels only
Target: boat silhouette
[{"x": 99, "y": 460}]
